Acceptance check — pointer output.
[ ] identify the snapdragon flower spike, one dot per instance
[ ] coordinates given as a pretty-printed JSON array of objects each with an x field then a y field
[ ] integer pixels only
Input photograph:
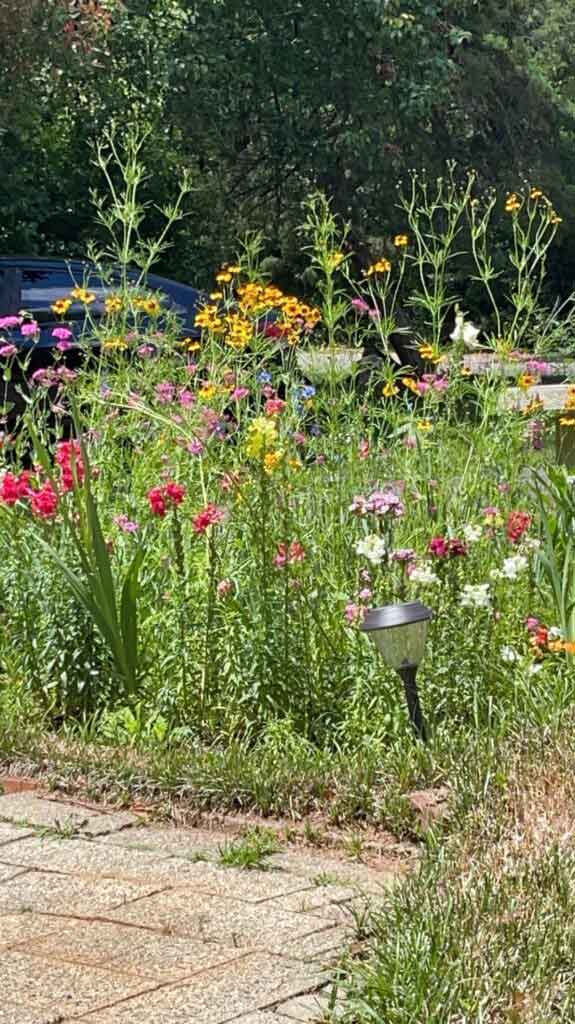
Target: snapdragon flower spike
[
  {"x": 69, "y": 459},
  {"x": 209, "y": 516},
  {"x": 517, "y": 524},
  {"x": 44, "y": 503},
  {"x": 379, "y": 503},
  {"x": 289, "y": 554},
  {"x": 15, "y": 488},
  {"x": 162, "y": 498}
]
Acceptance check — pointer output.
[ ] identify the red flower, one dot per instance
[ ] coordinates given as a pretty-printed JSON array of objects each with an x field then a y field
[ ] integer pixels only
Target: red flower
[
  {"x": 45, "y": 502},
  {"x": 209, "y": 516},
  {"x": 175, "y": 492},
  {"x": 13, "y": 488},
  {"x": 69, "y": 459},
  {"x": 457, "y": 548},
  {"x": 439, "y": 547},
  {"x": 518, "y": 524},
  {"x": 157, "y": 501}
]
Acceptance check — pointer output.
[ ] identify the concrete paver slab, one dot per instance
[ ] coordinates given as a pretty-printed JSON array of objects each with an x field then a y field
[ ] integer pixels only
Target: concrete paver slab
[
  {"x": 213, "y": 919},
  {"x": 12, "y": 833},
  {"x": 304, "y": 1009},
  {"x": 85, "y": 857},
  {"x": 60, "y": 894},
  {"x": 131, "y": 950},
  {"x": 24, "y": 926},
  {"x": 253, "y": 983},
  {"x": 41, "y": 812},
  {"x": 331, "y": 870},
  {"x": 200, "y": 844},
  {"x": 69, "y": 988}
]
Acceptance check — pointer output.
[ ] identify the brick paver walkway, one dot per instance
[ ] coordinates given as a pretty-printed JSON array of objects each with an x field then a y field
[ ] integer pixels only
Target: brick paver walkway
[{"x": 106, "y": 919}]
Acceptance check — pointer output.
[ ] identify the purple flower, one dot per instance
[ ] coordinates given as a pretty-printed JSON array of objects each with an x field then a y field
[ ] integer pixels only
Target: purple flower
[
  {"x": 8, "y": 350},
  {"x": 195, "y": 447},
  {"x": 125, "y": 524},
  {"x": 403, "y": 555}
]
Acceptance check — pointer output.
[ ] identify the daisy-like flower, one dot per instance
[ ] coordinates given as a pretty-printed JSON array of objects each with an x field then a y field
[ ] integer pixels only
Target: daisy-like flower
[{"x": 373, "y": 548}]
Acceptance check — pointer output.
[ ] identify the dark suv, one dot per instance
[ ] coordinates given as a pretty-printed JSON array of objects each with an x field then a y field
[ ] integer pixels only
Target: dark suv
[{"x": 35, "y": 284}]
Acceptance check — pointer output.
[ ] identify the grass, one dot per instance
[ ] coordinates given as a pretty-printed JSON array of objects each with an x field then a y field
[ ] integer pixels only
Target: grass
[
  {"x": 485, "y": 932},
  {"x": 251, "y": 851}
]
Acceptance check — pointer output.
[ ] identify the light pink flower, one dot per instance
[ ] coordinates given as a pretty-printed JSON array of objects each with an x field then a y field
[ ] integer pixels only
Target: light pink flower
[
  {"x": 7, "y": 322},
  {"x": 239, "y": 393},
  {"x": 28, "y": 329},
  {"x": 360, "y": 305},
  {"x": 8, "y": 350},
  {"x": 125, "y": 524},
  {"x": 195, "y": 447}
]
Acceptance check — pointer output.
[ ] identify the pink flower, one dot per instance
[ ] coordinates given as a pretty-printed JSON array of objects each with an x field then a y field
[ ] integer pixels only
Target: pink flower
[
  {"x": 532, "y": 623},
  {"x": 63, "y": 346},
  {"x": 8, "y": 322},
  {"x": 491, "y": 512},
  {"x": 239, "y": 393},
  {"x": 191, "y": 368},
  {"x": 195, "y": 447},
  {"x": 225, "y": 587},
  {"x": 366, "y": 594},
  {"x": 165, "y": 392},
  {"x": 268, "y": 391},
  {"x": 146, "y": 350},
  {"x": 8, "y": 350},
  {"x": 403, "y": 555},
  {"x": 299, "y": 438},
  {"x": 423, "y": 386},
  {"x": 45, "y": 502},
  {"x": 274, "y": 406},
  {"x": 186, "y": 398},
  {"x": 209, "y": 516},
  {"x": 375, "y": 314},
  {"x": 125, "y": 524},
  {"x": 289, "y": 554},
  {"x": 62, "y": 333},
  {"x": 363, "y": 450},
  {"x": 517, "y": 524},
  {"x": 354, "y": 612},
  {"x": 360, "y": 305},
  {"x": 29, "y": 329}
]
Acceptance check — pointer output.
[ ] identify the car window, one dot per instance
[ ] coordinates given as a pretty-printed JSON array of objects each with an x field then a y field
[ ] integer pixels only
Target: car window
[{"x": 41, "y": 287}]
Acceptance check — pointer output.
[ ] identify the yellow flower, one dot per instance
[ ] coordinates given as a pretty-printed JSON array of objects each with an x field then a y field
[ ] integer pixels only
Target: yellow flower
[
  {"x": 209, "y": 319},
  {"x": 381, "y": 267},
  {"x": 191, "y": 344},
  {"x": 115, "y": 344},
  {"x": 570, "y": 400},
  {"x": 390, "y": 390},
  {"x": 400, "y": 241},
  {"x": 153, "y": 307},
  {"x": 223, "y": 277},
  {"x": 411, "y": 383},
  {"x": 262, "y": 436},
  {"x": 512, "y": 203},
  {"x": 554, "y": 217},
  {"x": 536, "y": 193},
  {"x": 465, "y": 371},
  {"x": 239, "y": 331},
  {"x": 526, "y": 381},
  {"x": 535, "y": 405},
  {"x": 61, "y": 306},
  {"x": 429, "y": 352},
  {"x": 294, "y": 464},
  {"x": 335, "y": 259},
  {"x": 425, "y": 425},
  {"x": 113, "y": 304},
  {"x": 234, "y": 268},
  {"x": 567, "y": 421},
  {"x": 207, "y": 392},
  {"x": 215, "y": 296},
  {"x": 272, "y": 460},
  {"x": 82, "y": 295}
]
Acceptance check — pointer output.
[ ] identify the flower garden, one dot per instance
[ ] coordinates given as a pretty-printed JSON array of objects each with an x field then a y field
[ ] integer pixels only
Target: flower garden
[{"x": 193, "y": 529}]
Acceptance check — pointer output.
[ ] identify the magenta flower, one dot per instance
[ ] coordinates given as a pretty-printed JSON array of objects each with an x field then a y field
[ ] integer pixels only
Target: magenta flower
[
  {"x": 195, "y": 447},
  {"x": 186, "y": 398},
  {"x": 29, "y": 329},
  {"x": 165, "y": 392},
  {"x": 354, "y": 612},
  {"x": 62, "y": 333},
  {"x": 145, "y": 351},
  {"x": 8, "y": 350},
  {"x": 403, "y": 555},
  {"x": 7, "y": 322},
  {"x": 239, "y": 393},
  {"x": 360, "y": 305}
]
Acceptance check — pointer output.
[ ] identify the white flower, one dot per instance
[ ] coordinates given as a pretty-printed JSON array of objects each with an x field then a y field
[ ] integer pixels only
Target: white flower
[
  {"x": 535, "y": 668},
  {"x": 531, "y": 544},
  {"x": 509, "y": 654},
  {"x": 424, "y": 575},
  {"x": 555, "y": 633},
  {"x": 472, "y": 533},
  {"x": 476, "y": 595},
  {"x": 371, "y": 547},
  {"x": 496, "y": 574},
  {"x": 512, "y": 567},
  {"x": 464, "y": 331}
]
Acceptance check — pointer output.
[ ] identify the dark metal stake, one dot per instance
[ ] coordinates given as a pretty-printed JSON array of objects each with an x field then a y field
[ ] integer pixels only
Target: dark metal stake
[{"x": 408, "y": 674}]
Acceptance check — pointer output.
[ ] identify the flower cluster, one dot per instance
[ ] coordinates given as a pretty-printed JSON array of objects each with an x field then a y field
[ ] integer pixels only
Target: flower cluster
[
  {"x": 379, "y": 503},
  {"x": 162, "y": 498},
  {"x": 289, "y": 554}
]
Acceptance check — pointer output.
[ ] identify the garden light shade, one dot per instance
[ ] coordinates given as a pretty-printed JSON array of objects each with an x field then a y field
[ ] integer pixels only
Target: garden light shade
[{"x": 399, "y": 632}]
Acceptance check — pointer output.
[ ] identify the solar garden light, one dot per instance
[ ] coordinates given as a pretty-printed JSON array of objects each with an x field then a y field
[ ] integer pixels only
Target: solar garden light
[{"x": 399, "y": 632}]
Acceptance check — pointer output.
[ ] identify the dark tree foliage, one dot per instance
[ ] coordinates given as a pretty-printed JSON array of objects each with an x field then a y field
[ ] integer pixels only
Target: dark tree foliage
[{"x": 264, "y": 101}]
